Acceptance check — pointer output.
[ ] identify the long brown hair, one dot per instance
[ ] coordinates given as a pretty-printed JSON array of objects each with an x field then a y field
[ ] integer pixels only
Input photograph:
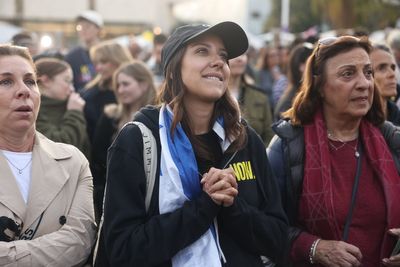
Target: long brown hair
[
  {"x": 309, "y": 98},
  {"x": 172, "y": 92},
  {"x": 50, "y": 67}
]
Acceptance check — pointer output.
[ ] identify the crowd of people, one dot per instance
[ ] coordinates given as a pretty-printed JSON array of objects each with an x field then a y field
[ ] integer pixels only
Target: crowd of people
[{"x": 287, "y": 158}]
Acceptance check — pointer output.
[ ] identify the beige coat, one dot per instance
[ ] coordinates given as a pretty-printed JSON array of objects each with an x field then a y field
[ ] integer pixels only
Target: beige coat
[{"x": 61, "y": 189}]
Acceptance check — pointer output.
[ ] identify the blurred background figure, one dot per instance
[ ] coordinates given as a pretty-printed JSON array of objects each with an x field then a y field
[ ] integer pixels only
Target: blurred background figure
[
  {"x": 385, "y": 66},
  {"x": 134, "y": 88},
  {"x": 268, "y": 59},
  {"x": 89, "y": 25},
  {"x": 28, "y": 40},
  {"x": 269, "y": 75},
  {"x": 107, "y": 56},
  {"x": 154, "y": 62},
  {"x": 253, "y": 101},
  {"x": 60, "y": 116},
  {"x": 297, "y": 61},
  {"x": 393, "y": 40}
]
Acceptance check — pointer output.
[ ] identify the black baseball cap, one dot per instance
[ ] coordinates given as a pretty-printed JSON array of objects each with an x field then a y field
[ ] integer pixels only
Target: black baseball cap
[{"x": 232, "y": 35}]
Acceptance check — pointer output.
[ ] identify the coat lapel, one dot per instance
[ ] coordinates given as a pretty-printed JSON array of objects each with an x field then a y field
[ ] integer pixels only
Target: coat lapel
[
  {"x": 10, "y": 195},
  {"x": 48, "y": 177}
]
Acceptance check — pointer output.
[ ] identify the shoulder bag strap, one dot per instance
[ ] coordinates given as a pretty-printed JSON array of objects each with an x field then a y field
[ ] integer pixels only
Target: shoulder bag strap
[{"x": 353, "y": 194}]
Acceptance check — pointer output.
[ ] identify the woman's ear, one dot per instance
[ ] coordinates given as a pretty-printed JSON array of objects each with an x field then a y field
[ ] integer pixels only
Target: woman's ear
[{"x": 44, "y": 81}]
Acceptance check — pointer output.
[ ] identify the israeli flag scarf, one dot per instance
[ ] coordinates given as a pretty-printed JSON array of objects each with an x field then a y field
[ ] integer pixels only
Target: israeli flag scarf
[{"x": 179, "y": 182}]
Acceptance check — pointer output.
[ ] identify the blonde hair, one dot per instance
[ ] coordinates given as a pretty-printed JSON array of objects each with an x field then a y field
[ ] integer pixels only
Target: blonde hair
[
  {"x": 138, "y": 71},
  {"x": 14, "y": 50},
  {"x": 108, "y": 51}
]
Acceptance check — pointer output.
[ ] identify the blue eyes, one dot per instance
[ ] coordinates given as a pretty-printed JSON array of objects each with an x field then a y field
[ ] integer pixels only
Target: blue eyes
[
  {"x": 30, "y": 82},
  {"x": 10, "y": 82},
  {"x": 6, "y": 82}
]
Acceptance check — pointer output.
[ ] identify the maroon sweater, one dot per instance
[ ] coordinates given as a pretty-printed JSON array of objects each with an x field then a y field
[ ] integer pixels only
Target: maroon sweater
[{"x": 367, "y": 228}]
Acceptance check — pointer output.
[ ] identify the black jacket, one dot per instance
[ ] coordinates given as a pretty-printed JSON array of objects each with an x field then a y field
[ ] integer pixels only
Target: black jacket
[
  {"x": 393, "y": 113},
  {"x": 254, "y": 225},
  {"x": 286, "y": 153}
]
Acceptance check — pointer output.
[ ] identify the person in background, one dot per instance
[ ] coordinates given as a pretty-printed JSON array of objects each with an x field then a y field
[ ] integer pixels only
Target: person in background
[
  {"x": 154, "y": 62},
  {"x": 253, "y": 101},
  {"x": 46, "y": 202},
  {"x": 297, "y": 62},
  {"x": 385, "y": 67},
  {"x": 134, "y": 88},
  {"x": 393, "y": 40},
  {"x": 88, "y": 25},
  {"x": 267, "y": 64},
  {"x": 107, "y": 56},
  {"x": 215, "y": 200},
  {"x": 27, "y": 39},
  {"x": 269, "y": 75},
  {"x": 60, "y": 116},
  {"x": 336, "y": 160}
]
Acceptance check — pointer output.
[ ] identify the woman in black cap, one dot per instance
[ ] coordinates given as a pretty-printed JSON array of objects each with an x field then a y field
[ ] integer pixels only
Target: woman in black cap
[{"x": 215, "y": 201}]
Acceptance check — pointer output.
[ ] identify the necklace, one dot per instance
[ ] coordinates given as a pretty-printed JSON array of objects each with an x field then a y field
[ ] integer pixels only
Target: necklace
[
  {"x": 20, "y": 170},
  {"x": 334, "y": 138}
]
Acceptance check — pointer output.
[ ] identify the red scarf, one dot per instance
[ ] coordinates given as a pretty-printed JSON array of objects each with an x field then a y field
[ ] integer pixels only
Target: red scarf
[{"x": 316, "y": 202}]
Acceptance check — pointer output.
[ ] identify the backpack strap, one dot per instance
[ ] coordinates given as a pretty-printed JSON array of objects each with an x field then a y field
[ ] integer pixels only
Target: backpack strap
[
  {"x": 150, "y": 169},
  {"x": 149, "y": 160}
]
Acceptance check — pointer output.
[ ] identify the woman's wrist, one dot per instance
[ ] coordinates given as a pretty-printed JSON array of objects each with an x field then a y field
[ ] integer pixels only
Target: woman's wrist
[{"x": 312, "y": 251}]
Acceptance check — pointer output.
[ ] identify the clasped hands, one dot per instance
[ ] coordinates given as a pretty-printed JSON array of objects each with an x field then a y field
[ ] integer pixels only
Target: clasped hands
[{"x": 220, "y": 185}]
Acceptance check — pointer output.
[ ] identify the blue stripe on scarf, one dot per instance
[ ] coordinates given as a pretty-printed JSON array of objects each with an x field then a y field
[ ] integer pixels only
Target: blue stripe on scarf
[{"x": 182, "y": 154}]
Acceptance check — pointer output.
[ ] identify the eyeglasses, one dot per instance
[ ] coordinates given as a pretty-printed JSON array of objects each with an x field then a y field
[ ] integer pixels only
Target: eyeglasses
[
  {"x": 328, "y": 41},
  {"x": 332, "y": 39}
]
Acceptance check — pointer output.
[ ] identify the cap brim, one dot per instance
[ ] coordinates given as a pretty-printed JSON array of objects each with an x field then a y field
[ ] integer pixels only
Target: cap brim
[{"x": 232, "y": 35}]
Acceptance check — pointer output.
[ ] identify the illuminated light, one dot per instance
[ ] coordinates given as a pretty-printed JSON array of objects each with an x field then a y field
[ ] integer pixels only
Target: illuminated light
[
  {"x": 46, "y": 41},
  {"x": 157, "y": 30},
  {"x": 78, "y": 28}
]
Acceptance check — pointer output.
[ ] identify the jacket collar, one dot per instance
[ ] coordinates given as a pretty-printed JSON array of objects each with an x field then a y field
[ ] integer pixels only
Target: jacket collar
[{"x": 48, "y": 178}]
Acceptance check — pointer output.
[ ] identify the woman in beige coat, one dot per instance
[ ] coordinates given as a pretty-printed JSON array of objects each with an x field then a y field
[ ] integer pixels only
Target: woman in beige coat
[{"x": 46, "y": 206}]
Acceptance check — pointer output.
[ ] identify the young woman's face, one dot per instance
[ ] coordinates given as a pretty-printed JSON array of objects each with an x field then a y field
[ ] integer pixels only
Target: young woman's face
[
  {"x": 129, "y": 90},
  {"x": 105, "y": 69},
  {"x": 60, "y": 86},
  {"x": 238, "y": 65},
  {"x": 348, "y": 90},
  {"x": 205, "y": 71},
  {"x": 384, "y": 72}
]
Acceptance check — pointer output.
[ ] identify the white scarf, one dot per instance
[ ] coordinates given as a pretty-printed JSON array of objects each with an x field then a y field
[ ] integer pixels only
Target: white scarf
[{"x": 205, "y": 251}]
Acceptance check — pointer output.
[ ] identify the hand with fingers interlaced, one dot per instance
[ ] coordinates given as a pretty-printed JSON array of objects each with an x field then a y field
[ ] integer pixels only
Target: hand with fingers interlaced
[{"x": 220, "y": 185}]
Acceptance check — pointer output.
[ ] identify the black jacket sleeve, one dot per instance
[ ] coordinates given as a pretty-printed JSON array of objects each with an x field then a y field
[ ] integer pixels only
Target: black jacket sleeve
[
  {"x": 131, "y": 237},
  {"x": 261, "y": 229}
]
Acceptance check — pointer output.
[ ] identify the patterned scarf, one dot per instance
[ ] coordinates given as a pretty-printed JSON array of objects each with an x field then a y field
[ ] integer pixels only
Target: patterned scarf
[
  {"x": 316, "y": 202},
  {"x": 179, "y": 182}
]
